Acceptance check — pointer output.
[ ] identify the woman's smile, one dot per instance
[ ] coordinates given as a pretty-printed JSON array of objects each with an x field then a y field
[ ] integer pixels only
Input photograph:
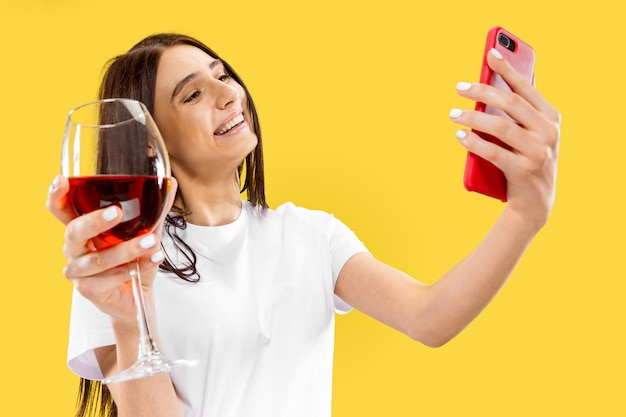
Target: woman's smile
[{"x": 232, "y": 126}]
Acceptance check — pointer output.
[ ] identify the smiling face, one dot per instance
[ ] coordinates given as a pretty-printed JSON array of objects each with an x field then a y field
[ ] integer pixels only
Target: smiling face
[{"x": 202, "y": 114}]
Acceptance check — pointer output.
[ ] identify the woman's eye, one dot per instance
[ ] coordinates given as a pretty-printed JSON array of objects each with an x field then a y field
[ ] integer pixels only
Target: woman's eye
[
  {"x": 224, "y": 78},
  {"x": 192, "y": 97}
]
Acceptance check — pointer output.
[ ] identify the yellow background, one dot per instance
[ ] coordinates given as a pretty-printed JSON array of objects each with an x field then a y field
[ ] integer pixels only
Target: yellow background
[{"x": 354, "y": 98}]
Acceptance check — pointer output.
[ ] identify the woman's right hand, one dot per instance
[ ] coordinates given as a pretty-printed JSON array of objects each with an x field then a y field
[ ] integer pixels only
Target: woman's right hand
[{"x": 102, "y": 275}]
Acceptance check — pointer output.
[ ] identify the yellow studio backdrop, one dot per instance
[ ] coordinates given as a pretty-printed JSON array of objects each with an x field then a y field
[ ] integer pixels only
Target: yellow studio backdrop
[{"x": 354, "y": 98}]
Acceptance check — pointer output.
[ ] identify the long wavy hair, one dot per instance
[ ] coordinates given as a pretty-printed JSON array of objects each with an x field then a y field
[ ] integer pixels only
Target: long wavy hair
[{"x": 133, "y": 75}]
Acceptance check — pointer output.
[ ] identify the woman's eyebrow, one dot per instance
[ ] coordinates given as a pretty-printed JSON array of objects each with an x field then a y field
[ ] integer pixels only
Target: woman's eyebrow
[
  {"x": 215, "y": 63},
  {"x": 182, "y": 83}
]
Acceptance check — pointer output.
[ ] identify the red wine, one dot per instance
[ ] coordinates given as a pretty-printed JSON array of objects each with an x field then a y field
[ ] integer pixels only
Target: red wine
[{"x": 141, "y": 198}]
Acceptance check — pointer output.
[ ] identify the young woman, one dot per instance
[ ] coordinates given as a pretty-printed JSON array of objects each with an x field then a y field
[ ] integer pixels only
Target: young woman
[{"x": 251, "y": 292}]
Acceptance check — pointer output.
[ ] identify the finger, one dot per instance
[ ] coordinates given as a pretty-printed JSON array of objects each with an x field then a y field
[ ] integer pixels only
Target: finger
[
  {"x": 521, "y": 86},
  {"x": 505, "y": 130},
  {"x": 87, "y": 227},
  {"x": 508, "y": 102},
  {"x": 56, "y": 201},
  {"x": 97, "y": 262},
  {"x": 517, "y": 108},
  {"x": 497, "y": 155},
  {"x": 98, "y": 287}
]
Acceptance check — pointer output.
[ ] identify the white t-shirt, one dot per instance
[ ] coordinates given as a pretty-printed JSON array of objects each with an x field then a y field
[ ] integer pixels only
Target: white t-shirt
[{"x": 260, "y": 323}]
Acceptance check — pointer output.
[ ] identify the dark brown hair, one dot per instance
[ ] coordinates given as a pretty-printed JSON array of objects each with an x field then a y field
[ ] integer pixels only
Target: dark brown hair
[{"x": 133, "y": 75}]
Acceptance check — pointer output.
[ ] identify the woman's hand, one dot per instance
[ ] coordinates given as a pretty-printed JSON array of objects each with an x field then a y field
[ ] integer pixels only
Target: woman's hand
[
  {"x": 530, "y": 166},
  {"x": 101, "y": 275}
]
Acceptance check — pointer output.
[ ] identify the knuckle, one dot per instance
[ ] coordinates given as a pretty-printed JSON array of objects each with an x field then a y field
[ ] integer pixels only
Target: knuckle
[
  {"x": 119, "y": 274},
  {"x": 97, "y": 260},
  {"x": 501, "y": 127},
  {"x": 72, "y": 270},
  {"x": 86, "y": 288},
  {"x": 555, "y": 116},
  {"x": 551, "y": 133},
  {"x": 511, "y": 101},
  {"x": 554, "y": 135},
  {"x": 71, "y": 231},
  {"x": 76, "y": 229},
  {"x": 67, "y": 272},
  {"x": 491, "y": 153},
  {"x": 66, "y": 250},
  {"x": 545, "y": 154},
  {"x": 541, "y": 158}
]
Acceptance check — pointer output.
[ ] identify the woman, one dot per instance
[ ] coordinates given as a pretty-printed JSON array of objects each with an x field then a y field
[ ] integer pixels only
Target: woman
[{"x": 251, "y": 292}]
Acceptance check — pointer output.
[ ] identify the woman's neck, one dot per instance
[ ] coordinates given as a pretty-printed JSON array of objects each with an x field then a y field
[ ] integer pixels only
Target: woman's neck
[{"x": 209, "y": 203}]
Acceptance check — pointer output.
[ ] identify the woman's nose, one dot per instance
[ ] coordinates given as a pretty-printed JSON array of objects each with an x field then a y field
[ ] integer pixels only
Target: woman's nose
[{"x": 227, "y": 96}]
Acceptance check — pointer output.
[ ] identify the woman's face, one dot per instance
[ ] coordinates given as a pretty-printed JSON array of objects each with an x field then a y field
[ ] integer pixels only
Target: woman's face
[{"x": 202, "y": 113}]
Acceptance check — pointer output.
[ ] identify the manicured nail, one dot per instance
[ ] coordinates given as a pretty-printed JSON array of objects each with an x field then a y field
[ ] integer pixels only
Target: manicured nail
[
  {"x": 147, "y": 242},
  {"x": 495, "y": 53},
  {"x": 55, "y": 183},
  {"x": 462, "y": 86},
  {"x": 460, "y": 134},
  {"x": 110, "y": 213},
  {"x": 456, "y": 113},
  {"x": 157, "y": 257}
]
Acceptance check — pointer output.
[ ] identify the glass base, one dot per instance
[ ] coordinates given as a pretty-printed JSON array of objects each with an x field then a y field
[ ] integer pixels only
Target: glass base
[{"x": 148, "y": 366}]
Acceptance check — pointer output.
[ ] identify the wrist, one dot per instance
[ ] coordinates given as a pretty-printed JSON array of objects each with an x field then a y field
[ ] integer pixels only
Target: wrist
[{"x": 524, "y": 222}]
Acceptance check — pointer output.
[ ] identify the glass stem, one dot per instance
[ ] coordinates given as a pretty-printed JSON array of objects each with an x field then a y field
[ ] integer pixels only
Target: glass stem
[{"x": 147, "y": 346}]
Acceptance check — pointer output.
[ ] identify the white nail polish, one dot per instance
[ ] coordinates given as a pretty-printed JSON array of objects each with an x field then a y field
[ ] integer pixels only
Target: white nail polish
[
  {"x": 157, "y": 257},
  {"x": 460, "y": 134},
  {"x": 462, "y": 86},
  {"x": 109, "y": 214},
  {"x": 456, "y": 113},
  {"x": 147, "y": 242},
  {"x": 495, "y": 53}
]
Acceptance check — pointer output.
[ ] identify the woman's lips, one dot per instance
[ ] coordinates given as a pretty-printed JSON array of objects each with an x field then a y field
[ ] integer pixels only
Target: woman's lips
[{"x": 226, "y": 127}]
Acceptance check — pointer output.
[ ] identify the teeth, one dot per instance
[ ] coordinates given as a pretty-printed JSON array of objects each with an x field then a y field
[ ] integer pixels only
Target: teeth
[{"x": 237, "y": 120}]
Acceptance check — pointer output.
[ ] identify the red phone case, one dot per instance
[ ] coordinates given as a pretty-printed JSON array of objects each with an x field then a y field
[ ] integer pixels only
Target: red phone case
[{"x": 480, "y": 175}]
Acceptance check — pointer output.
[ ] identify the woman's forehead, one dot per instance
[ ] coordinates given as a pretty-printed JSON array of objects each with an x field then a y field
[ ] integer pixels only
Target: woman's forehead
[
  {"x": 178, "y": 62},
  {"x": 180, "y": 57}
]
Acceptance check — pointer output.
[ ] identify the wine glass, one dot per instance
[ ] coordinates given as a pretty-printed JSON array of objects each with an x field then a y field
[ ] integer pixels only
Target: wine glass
[{"x": 113, "y": 154}]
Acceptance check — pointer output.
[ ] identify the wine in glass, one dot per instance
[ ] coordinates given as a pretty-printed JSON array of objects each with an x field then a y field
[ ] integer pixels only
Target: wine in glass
[{"x": 113, "y": 154}]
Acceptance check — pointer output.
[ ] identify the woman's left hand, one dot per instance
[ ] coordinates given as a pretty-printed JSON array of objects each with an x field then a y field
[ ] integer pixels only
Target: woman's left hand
[{"x": 530, "y": 166}]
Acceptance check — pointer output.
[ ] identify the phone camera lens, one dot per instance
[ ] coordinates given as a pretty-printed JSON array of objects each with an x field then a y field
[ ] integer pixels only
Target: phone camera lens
[{"x": 507, "y": 42}]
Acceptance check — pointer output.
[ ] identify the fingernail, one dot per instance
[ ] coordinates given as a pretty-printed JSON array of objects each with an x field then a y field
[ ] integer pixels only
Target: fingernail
[
  {"x": 462, "y": 86},
  {"x": 460, "y": 134},
  {"x": 495, "y": 53},
  {"x": 157, "y": 257},
  {"x": 147, "y": 242},
  {"x": 110, "y": 213},
  {"x": 456, "y": 113}
]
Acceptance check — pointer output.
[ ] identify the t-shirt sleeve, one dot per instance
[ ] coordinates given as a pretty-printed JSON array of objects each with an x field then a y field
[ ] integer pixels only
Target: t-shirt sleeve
[
  {"x": 90, "y": 328},
  {"x": 344, "y": 244}
]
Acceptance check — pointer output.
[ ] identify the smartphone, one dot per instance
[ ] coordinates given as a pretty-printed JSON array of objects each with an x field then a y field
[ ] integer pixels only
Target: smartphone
[{"x": 480, "y": 175}]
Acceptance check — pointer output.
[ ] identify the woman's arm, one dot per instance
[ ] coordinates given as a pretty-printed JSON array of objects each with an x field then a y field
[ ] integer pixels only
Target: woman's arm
[
  {"x": 152, "y": 396},
  {"x": 433, "y": 314},
  {"x": 101, "y": 276}
]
